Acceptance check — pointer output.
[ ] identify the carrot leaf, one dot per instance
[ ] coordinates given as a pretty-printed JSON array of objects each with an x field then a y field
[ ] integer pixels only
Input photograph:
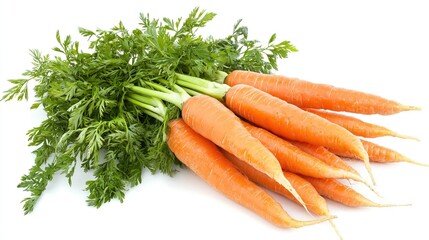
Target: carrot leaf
[{"x": 107, "y": 106}]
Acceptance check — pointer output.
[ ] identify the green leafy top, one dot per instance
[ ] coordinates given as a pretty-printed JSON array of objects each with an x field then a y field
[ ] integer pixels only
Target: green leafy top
[{"x": 84, "y": 93}]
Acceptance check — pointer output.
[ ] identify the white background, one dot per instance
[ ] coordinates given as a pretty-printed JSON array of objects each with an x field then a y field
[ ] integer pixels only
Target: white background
[{"x": 375, "y": 46}]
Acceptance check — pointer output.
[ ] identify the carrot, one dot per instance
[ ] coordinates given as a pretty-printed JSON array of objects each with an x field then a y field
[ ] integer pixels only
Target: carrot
[
  {"x": 306, "y": 94},
  {"x": 315, "y": 203},
  {"x": 204, "y": 158},
  {"x": 325, "y": 155},
  {"x": 291, "y": 122},
  {"x": 334, "y": 190},
  {"x": 357, "y": 126},
  {"x": 211, "y": 119},
  {"x": 295, "y": 160},
  {"x": 378, "y": 153}
]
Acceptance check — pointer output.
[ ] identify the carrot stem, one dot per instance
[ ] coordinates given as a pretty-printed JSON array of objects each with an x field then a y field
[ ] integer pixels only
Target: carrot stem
[
  {"x": 213, "y": 89},
  {"x": 147, "y": 109},
  {"x": 171, "y": 97}
]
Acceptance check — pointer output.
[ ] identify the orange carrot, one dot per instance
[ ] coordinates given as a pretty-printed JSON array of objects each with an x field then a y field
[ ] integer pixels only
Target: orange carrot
[
  {"x": 205, "y": 159},
  {"x": 315, "y": 203},
  {"x": 325, "y": 155},
  {"x": 306, "y": 94},
  {"x": 378, "y": 153},
  {"x": 211, "y": 119},
  {"x": 334, "y": 190},
  {"x": 291, "y": 122},
  {"x": 357, "y": 126},
  {"x": 293, "y": 159}
]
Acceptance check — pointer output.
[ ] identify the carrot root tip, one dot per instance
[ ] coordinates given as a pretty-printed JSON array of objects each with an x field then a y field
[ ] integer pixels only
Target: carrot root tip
[
  {"x": 393, "y": 205},
  {"x": 411, "y": 108},
  {"x": 409, "y": 160},
  {"x": 419, "y": 163},
  {"x": 372, "y": 188},
  {"x": 299, "y": 224},
  {"x": 403, "y": 136},
  {"x": 368, "y": 168},
  {"x": 286, "y": 184},
  {"x": 336, "y": 229}
]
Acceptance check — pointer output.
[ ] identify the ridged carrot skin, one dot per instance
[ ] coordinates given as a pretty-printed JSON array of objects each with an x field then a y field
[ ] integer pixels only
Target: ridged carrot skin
[
  {"x": 380, "y": 154},
  {"x": 325, "y": 155},
  {"x": 314, "y": 202},
  {"x": 211, "y": 119},
  {"x": 357, "y": 126},
  {"x": 291, "y": 122},
  {"x": 205, "y": 159},
  {"x": 293, "y": 159},
  {"x": 306, "y": 94}
]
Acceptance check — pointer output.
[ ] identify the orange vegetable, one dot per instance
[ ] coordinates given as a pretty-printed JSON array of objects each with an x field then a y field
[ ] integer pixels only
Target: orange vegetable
[
  {"x": 325, "y": 155},
  {"x": 204, "y": 158},
  {"x": 211, "y": 119},
  {"x": 357, "y": 126},
  {"x": 291, "y": 122},
  {"x": 306, "y": 94},
  {"x": 336, "y": 191},
  {"x": 315, "y": 203},
  {"x": 295, "y": 160},
  {"x": 378, "y": 153}
]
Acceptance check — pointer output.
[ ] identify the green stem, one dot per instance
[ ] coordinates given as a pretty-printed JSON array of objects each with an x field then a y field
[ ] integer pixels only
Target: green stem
[
  {"x": 200, "y": 85},
  {"x": 195, "y": 80},
  {"x": 201, "y": 89},
  {"x": 191, "y": 92},
  {"x": 179, "y": 90},
  {"x": 153, "y": 104},
  {"x": 147, "y": 109},
  {"x": 171, "y": 97},
  {"x": 220, "y": 77},
  {"x": 158, "y": 87}
]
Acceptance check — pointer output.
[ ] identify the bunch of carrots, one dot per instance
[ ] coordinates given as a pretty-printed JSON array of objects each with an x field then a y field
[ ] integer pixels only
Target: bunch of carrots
[
  {"x": 275, "y": 132},
  {"x": 243, "y": 132}
]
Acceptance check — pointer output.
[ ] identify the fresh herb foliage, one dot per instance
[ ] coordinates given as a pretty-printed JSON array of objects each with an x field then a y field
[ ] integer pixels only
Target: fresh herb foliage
[{"x": 90, "y": 123}]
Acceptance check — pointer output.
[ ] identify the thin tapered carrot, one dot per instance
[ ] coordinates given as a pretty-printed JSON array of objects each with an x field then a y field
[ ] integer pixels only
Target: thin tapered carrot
[
  {"x": 291, "y": 122},
  {"x": 211, "y": 119},
  {"x": 295, "y": 160},
  {"x": 336, "y": 191},
  {"x": 325, "y": 155},
  {"x": 378, "y": 153},
  {"x": 357, "y": 126},
  {"x": 205, "y": 159},
  {"x": 320, "y": 96},
  {"x": 315, "y": 203}
]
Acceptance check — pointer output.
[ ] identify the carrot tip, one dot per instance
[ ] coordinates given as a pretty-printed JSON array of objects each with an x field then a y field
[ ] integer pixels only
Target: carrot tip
[
  {"x": 410, "y": 108},
  {"x": 371, "y": 187},
  {"x": 336, "y": 229},
  {"x": 358, "y": 178},
  {"x": 286, "y": 184},
  {"x": 408, "y": 160},
  {"x": 368, "y": 168},
  {"x": 406, "y": 136},
  {"x": 392, "y": 205},
  {"x": 299, "y": 224}
]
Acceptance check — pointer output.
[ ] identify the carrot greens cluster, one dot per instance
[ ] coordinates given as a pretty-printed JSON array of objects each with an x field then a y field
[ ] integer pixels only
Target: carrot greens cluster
[{"x": 95, "y": 117}]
